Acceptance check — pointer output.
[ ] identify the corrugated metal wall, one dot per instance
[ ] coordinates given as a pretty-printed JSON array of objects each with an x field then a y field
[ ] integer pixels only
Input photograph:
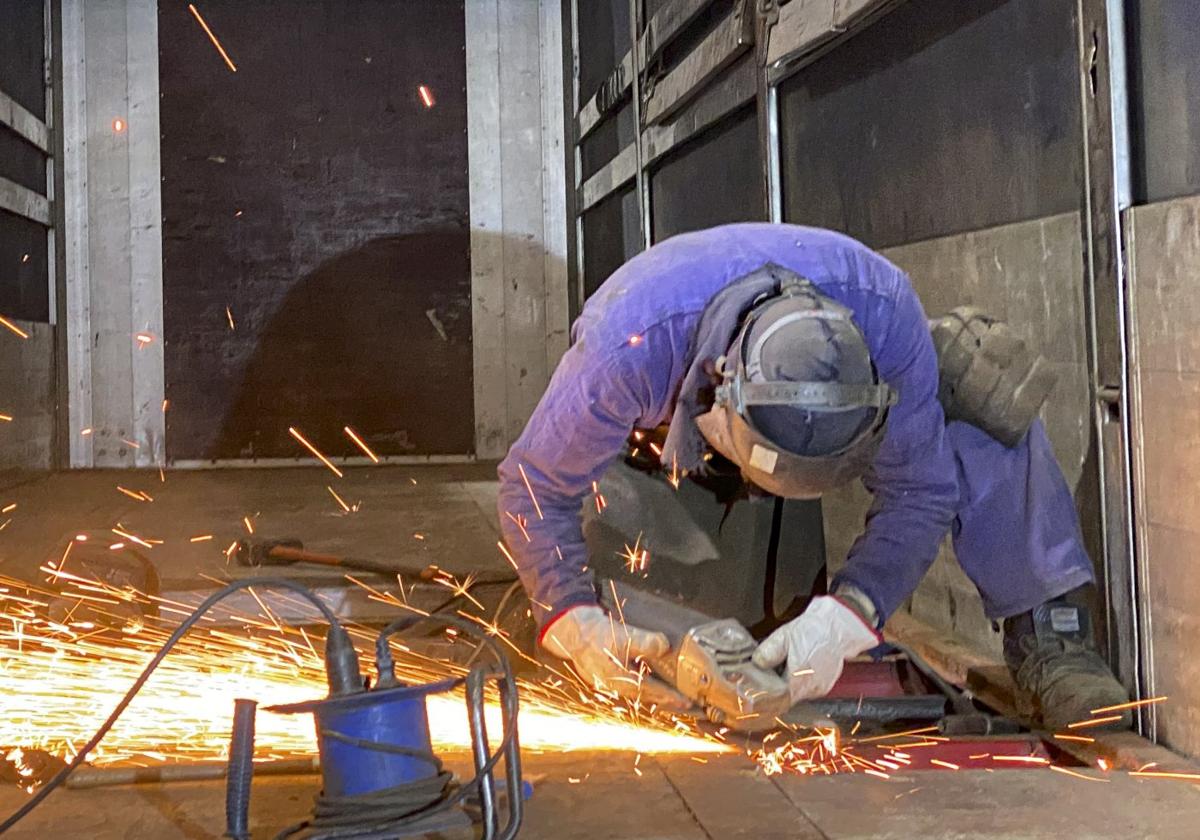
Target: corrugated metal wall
[{"x": 1163, "y": 244}]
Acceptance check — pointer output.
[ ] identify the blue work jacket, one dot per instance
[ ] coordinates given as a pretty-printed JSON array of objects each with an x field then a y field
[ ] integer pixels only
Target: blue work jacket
[{"x": 624, "y": 369}]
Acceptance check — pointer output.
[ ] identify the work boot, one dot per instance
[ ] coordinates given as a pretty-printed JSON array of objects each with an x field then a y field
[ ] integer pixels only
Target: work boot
[{"x": 1050, "y": 654}]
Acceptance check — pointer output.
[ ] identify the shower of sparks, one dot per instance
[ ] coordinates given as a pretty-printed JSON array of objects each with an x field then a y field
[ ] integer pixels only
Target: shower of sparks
[
  {"x": 360, "y": 443},
  {"x": 70, "y": 649},
  {"x": 316, "y": 452},
  {"x": 196, "y": 12},
  {"x": 13, "y": 327}
]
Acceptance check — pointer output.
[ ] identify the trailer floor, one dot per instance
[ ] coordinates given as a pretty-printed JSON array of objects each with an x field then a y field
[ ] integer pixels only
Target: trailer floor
[
  {"x": 445, "y": 515},
  {"x": 678, "y": 799}
]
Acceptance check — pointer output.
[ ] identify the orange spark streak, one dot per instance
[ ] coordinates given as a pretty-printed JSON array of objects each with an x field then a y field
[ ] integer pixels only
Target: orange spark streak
[
  {"x": 1085, "y": 739},
  {"x": 947, "y": 764},
  {"x": 1131, "y": 705},
  {"x": 903, "y": 734},
  {"x": 7, "y": 418},
  {"x": 202, "y": 538},
  {"x": 341, "y": 502},
  {"x": 529, "y": 487},
  {"x": 8, "y": 508},
  {"x": 131, "y": 494},
  {"x": 361, "y": 444},
  {"x": 1070, "y": 772},
  {"x": 249, "y": 525},
  {"x": 212, "y": 37},
  {"x": 20, "y": 332},
  {"x": 229, "y": 315},
  {"x": 1022, "y": 759},
  {"x": 507, "y": 556},
  {"x": 316, "y": 452},
  {"x": 520, "y": 523},
  {"x": 1159, "y": 774},
  {"x": 1083, "y": 724},
  {"x": 426, "y": 96}
]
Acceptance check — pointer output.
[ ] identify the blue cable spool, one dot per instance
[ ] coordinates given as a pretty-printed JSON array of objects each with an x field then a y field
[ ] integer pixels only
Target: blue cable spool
[{"x": 373, "y": 740}]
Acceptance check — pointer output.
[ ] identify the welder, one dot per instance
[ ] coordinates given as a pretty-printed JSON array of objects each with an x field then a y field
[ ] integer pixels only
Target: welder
[{"x": 804, "y": 359}]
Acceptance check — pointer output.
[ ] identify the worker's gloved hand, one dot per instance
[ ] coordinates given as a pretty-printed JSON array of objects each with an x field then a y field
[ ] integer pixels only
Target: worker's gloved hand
[
  {"x": 815, "y": 645},
  {"x": 606, "y": 652}
]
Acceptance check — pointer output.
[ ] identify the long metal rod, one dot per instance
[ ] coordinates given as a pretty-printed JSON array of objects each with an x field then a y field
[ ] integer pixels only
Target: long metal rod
[
  {"x": 1105, "y": 194},
  {"x": 642, "y": 179}
]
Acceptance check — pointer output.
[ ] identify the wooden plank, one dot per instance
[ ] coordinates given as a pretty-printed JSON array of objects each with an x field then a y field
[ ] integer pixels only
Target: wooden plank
[
  {"x": 731, "y": 38},
  {"x": 24, "y": 202},
  {"x": 554, "y": 183},
  {"x": 524, "y": 231},
  {"x": 487, "y": 223},
  {"x": 731, "y": 799},
  {"x": 989, "y": 679},
  {"x": 24, "y": 123}
]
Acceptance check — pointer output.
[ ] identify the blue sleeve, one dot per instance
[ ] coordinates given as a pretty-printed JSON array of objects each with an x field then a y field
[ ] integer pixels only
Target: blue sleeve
[
  {"x": 578, "y": 428},
  {"x": 913, "y": 478}
]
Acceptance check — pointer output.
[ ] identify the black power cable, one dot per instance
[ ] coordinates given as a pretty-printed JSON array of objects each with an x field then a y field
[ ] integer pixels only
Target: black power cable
[{"x": 338, "y": 665}]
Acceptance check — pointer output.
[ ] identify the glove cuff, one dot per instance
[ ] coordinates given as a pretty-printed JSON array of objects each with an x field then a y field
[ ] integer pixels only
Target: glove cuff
[
  {"x": 848, "y": 606},
  {"x": 559, "y": 614}
]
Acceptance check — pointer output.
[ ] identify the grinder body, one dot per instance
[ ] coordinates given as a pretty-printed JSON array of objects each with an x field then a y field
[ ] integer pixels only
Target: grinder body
[{"x": 709, "y": 660}]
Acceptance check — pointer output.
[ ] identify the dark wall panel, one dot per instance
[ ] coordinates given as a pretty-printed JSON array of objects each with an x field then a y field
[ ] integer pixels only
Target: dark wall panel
[
  {"x": 22, "y": 46},
  {"x": 610, "y": 237},
  {"x": 945, "y": 116},
  {"x": 1166, "y": 97},
  {"x": 604, "y": 39},
  {"x": 314, "y": 195},
  {"x": 24, "y": 270},
  {"x": 712, "y": 180}
]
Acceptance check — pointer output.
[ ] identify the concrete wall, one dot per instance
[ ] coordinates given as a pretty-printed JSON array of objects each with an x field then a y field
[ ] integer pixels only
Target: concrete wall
[
  {"x": 518, "y": 215},
  {"x": 1030, "y": 274},
  {"x": 113, "y": 233},
  {"x": 27, "y": 396},
  {"x": 1164, "y": 261}
]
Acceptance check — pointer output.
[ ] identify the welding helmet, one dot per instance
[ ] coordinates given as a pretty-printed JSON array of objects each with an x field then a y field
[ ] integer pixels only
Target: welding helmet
[{"x": 800, "y": 407}]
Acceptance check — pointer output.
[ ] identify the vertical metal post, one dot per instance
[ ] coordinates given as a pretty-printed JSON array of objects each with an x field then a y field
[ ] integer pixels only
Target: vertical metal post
[
  {"x": 774, "y": 160},
  {"x": 766, "y": 13},
  {"x": 1106, "y": 192},
  {"x": 641, "y": 180},
  {"x": 576, "y": 179}
]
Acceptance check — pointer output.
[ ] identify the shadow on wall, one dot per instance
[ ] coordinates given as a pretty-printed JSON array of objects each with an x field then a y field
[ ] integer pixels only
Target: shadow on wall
[{"x": 378, "y": 338}]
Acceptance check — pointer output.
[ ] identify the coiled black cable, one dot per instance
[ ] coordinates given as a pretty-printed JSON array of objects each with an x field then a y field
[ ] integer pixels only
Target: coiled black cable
[{"x": 379, "y": 815}]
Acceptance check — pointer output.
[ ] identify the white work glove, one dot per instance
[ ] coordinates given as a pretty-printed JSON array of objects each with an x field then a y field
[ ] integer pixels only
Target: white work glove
[
  {"x": 606, "y": 653},
  {"x": 815, "y": 645}
]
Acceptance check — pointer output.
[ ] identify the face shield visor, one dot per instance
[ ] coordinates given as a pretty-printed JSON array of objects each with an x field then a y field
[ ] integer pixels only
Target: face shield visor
[{"x": 800, "y": 407}]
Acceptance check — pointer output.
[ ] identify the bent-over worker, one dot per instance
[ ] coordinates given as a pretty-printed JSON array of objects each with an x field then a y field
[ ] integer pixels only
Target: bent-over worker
[{"x": 806, "y": 359}]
